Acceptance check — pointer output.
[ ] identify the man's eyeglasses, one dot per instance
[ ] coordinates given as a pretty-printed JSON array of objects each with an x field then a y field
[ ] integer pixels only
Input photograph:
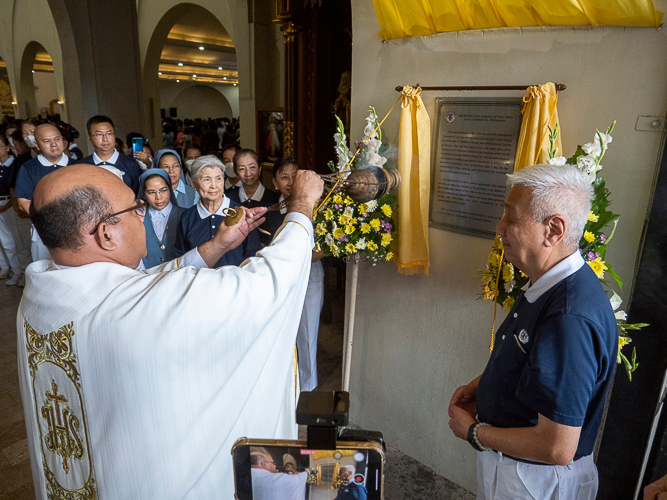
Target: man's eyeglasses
[
  {"x": 100, "y": 135},
  {"x": 139, "y": 207}
]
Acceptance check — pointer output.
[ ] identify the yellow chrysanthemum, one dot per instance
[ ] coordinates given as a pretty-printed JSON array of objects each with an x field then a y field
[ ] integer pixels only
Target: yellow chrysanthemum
[
  {"x": 328, "y": 214},
  {"x": 363, "y": 208},
  {"x": 386, "y": 239},
  {"x": 349, "y": 248},
  {"x": 598, "y": 266},
  {"x": 348, "y": 200},
  {"x": 592, "y": 217},
  {"x": 523, "y": 275},
  {"x": 508, "y": 272},
  {"x": 589, "y": 237},
  {"x": 623, "y": 341},
  {"x": 508, "y": 304},
  {"x": 349, "y": 229},
  {"x": 488, "y": 294},
  {"x": 365, "y": 228},
  {"x": 386, "y": 209},
  {"x": 338, "y": 232},
  {"x": 372, "y": 246},
  {"x": 494, "y": 259},
  {"x": 389, "y": 256},
  {"x": 338, "y": 199},
  {"x": 334, "y": 249},
  {"x": 321, "y": 229},
  {"x": 497, "y": 243},
  {"x": 375, "y": 224},
  {"x": 317, "y": 248},
  {"x": 487, "y": 277}
]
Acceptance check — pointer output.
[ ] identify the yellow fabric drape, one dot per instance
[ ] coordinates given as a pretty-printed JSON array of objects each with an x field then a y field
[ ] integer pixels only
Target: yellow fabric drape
[
  {"x": 539, "y": 112},
  {"x": 414, "y": 157},
  {"x": 401, "y": 18}
]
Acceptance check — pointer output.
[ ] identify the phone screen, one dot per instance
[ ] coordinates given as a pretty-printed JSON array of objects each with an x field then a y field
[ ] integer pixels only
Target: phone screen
[
  {"x": 266, "y": 471},
  {"x": 137, "y": 145}
]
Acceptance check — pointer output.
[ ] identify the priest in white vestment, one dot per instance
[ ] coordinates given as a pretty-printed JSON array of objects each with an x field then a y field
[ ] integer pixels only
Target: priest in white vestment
[{"x": 136, "y": 384}]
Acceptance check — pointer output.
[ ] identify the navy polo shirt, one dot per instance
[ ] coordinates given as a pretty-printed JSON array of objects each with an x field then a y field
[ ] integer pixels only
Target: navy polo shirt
[
  {"x": 128, "y": 167},
  {"x": 16, "y": 166},
  {"x": 5, "y": 173},
  {"x": 193, "y": 230},
  {"x": 32, "y": 171},
  {"x": 554, "y": 355}
]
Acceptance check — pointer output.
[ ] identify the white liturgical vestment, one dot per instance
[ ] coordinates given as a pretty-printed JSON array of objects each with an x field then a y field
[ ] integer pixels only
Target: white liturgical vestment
[
  {"x": 278, "y": 485},
  {"x": 136, "y": 384}
]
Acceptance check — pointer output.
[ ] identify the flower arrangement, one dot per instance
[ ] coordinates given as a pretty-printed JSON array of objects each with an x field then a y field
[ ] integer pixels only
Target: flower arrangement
[
  {"x": 344, "y": 227},
  {"x": 502, "y": 282}
]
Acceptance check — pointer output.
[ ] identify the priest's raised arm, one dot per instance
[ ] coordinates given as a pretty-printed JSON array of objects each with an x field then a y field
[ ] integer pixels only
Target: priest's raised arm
[{"x": 136, "y": 384}]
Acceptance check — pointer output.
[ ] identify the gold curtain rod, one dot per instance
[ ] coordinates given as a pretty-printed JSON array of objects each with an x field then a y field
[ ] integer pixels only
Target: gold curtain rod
[{"x": 559, "y": 87}]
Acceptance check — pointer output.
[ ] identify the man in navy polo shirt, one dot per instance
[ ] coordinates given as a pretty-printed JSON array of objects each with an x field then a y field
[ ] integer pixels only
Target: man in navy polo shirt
[
  {"x": 102, "y": 135},
  {"x": 535, "y": 412},
  {"x": 50, "y": 144}
]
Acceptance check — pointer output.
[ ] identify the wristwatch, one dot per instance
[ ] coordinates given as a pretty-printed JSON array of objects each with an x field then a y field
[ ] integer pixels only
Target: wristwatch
[{"x": 473, "y": 439}]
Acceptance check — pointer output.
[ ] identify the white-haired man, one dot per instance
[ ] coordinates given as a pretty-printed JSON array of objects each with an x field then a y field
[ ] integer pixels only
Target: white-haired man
[
  {"x": 350, "y": 490},
  {"x": 534, "y": 413},
  {"x": 270, "y": 484}
]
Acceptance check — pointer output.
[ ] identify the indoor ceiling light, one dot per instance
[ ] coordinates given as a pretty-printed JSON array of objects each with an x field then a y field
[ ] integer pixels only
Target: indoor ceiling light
[
  {"x": 177, "y": 81},
  {"x": 234, "y": 85},
  {"x": 194, "y": 76},
  {"x": 224, "y": 77},
  {"x": 159, "y": 72},
  {"x": 33, "y": 70},
  {"x": 201, "y": 47},
  {"x": 180, "y": 64},
  {"x": 60, "y": 102},
  {"x": 219, "y": 67}
]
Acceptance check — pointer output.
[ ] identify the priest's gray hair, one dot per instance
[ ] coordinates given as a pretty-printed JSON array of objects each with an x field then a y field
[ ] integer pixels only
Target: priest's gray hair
[
  {"x": 563, "y": 190},
  {"x": 203, "y": 162},
  {"x": 351, "y": 468}
]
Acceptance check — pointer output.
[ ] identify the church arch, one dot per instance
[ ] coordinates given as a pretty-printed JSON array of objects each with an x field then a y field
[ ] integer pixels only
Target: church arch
[
  {"x": 37, "y": 81},
  {"x": 6, "y": 94},
  {"x": 201, "y": 101}
]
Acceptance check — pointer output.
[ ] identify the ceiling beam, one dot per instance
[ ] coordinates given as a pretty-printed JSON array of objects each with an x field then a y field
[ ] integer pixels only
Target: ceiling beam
[{"x": 195, "y": 45}]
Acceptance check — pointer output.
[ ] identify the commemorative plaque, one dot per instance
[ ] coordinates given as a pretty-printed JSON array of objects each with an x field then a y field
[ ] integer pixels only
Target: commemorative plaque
[{"x": 475, "y": 146}]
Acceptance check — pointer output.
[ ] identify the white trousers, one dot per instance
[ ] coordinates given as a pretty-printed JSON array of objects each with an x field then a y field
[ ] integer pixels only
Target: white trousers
[
  {"x": 306, "y": 337},
  {"x": 501, "y": 478},
  {"x": 9, "y": 258},
  {"x": 37, "y": 249},
  {"x": 22, "y": 238}
]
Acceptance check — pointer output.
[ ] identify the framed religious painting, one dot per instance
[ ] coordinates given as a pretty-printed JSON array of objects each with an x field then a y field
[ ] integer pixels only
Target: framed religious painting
[{"x": 270, "y": 135}]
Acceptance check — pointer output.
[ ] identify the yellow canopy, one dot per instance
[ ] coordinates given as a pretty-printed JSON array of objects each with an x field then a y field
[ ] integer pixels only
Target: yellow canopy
[{"x": 401, "y": 18}]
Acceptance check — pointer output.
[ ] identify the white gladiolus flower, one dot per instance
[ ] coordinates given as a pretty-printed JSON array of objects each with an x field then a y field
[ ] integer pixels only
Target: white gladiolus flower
[
  {"x": 558, "y": 161},
  {"x": 593, "y": 148},
  {"x": 368, "y": 130},
  {"x": 586, "y": 164},
  {"x": 606, "y": 138},
  {"x": 375, "y": 160},
  {"x": 620, "y": 315},
  {"x": 615, "y": 301},
  {"x": 373, "y": 146}
]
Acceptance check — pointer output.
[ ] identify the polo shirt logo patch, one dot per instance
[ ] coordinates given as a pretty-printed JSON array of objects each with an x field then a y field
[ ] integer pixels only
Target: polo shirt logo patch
[{"x": 523, "y": 336}]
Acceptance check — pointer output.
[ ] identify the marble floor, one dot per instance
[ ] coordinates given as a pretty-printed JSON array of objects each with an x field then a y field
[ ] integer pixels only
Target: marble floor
[{"x": 405, "y": 478}]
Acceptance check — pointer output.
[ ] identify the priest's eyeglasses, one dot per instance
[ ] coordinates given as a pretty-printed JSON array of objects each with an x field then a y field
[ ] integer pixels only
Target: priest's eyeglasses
[{"x": 139, "y": 207}]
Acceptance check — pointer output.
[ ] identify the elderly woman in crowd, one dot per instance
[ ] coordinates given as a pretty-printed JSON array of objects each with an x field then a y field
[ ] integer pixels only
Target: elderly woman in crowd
[
  {"x": 284, "y": 173},
  {"x": 170, "y": 160},
  {"x": 199, "y": 223},
  {"x": 162, "y": 216},
  {"x": 251, "y": 192}
]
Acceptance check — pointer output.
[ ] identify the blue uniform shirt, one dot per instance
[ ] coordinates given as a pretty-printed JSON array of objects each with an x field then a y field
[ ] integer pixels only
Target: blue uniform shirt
[
  {"x": 31, "y": 173},
  {"x": 197, "y": 226},
  {"x": 128, "y": 166},
  {"x": 554, "y": 355},
  {"x": 352, "y": 491}
]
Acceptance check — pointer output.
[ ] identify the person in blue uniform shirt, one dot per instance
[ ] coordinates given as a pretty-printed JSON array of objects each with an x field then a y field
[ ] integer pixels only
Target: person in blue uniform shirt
[
  {"x": 535, "y": 412},
  {"x": 351, "y": 490},
  {"x": 102, "y": 135},
  {"x": 162, "y": 216},
  {"x": 232, "y": 181},
  {"x": 284, "y": 173},
  {"x": 52, "y": 157},
  {"x": 199, "y": 223},
  {"x": 251, "y": 192},
  {"x": 170, "y": 160}
]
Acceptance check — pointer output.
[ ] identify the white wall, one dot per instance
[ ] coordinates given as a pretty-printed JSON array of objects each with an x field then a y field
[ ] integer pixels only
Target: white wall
[
  {"x": 45, "y": 89},
  {"x": 417, "y": 338},
  {"x": 169, "y": 91}
]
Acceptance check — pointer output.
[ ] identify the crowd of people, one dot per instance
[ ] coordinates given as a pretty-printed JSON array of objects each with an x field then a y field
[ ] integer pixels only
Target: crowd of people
[{"x": 187, "y": 187}]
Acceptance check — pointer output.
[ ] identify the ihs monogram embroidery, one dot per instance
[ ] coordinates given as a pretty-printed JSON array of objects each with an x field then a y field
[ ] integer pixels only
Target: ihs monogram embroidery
[{"x": 62, "y": 437}]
